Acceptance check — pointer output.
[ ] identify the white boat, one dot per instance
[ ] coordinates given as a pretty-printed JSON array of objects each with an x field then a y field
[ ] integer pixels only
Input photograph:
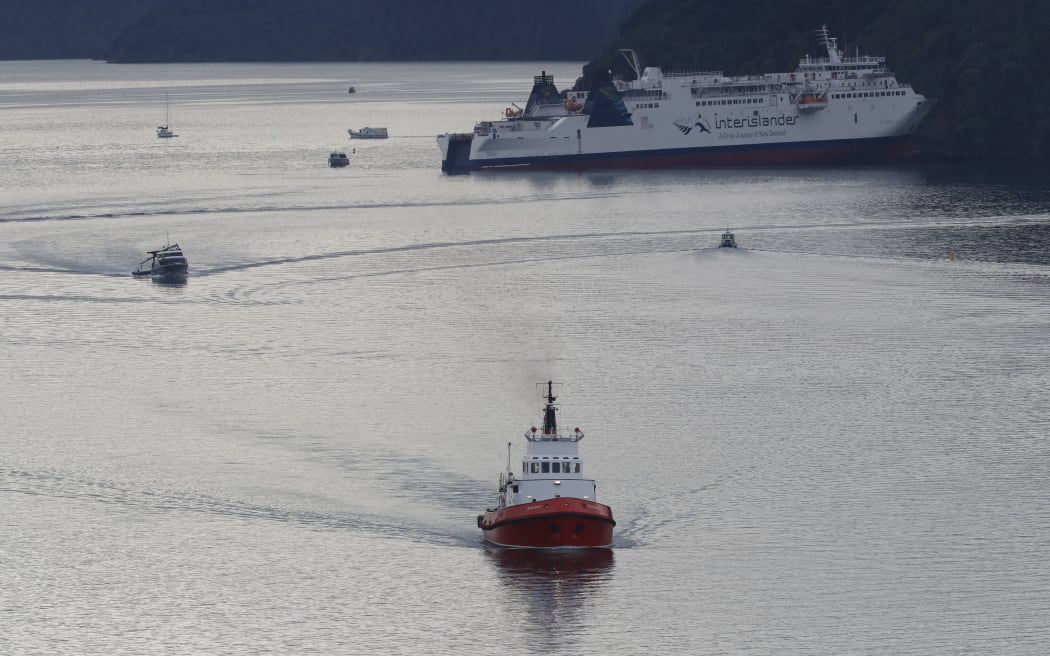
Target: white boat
[
  {"x": 832, "y": 109},
  {"x": 164, "y": 131},
  {"x": 338, "y": 158},
  {"x": 728, "y": 240},
  {"x": 368, "y": 133}
]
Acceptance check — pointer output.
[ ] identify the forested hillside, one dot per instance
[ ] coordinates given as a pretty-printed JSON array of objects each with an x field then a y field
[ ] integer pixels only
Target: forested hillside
[
  {"x": 65, "y": 29},
  {"x": 369, "y": 30},
  {"x": 986, "y": 63}
]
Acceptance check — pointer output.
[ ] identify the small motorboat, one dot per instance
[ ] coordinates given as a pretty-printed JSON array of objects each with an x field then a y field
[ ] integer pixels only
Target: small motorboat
[
  {"x": 368, "y": 133},
  {"x": 337, "y": 159},
  {"x": 550, "y": 504},
  {"x": 351, "y": 90},
  {"x": 166, "y": 264},
  {"x": 728, "y": 240}
]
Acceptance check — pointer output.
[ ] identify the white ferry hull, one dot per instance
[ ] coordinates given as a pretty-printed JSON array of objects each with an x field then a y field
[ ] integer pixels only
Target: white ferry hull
[
  {"x": 842, "y": 133},
  {"x": 847, "y": 151}
]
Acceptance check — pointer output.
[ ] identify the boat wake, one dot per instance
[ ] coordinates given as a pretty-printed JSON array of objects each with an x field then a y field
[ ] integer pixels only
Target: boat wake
[{"x": 135, "y": 496}]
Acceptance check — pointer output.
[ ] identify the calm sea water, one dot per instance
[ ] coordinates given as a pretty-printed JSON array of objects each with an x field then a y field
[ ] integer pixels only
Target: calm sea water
[{"x": 830, "y": 441}]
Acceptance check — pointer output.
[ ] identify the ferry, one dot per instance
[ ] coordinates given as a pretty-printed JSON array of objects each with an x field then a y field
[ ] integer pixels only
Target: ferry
[
  {"x": 831, "y": 109},
  {"x": 549, "y": 504}
]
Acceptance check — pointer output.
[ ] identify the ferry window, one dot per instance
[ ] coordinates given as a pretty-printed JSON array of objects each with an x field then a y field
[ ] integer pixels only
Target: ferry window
[
  {"x": 535, "y": 468},
  {"x": 546, "y": 468},
  {"x": 555, "y": 467},
  {"x": 577, "y": 468}
]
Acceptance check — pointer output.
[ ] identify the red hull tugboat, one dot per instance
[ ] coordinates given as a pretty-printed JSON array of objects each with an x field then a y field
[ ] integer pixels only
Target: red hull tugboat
[{"x": 551, "y": 505}]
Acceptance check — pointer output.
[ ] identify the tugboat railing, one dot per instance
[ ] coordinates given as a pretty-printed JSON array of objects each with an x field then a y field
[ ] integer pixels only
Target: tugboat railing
[{"x": 539, "y": 436}]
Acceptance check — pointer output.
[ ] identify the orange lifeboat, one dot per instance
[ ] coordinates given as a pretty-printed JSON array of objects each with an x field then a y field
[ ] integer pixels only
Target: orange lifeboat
[
  {"x": 809, "y": 102},
  {"x": 572, "y": 105}
]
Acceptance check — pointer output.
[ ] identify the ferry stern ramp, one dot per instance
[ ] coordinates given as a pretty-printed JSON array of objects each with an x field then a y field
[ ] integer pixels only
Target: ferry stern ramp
[{"x": 455, "y": 148}]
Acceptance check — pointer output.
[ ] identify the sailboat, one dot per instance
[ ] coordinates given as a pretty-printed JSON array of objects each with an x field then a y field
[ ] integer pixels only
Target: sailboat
[{"x": 164, "y": 131}]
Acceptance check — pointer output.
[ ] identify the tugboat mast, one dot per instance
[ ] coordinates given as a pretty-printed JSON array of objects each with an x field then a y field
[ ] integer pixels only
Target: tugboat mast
[{"x": 550, "y": 423}]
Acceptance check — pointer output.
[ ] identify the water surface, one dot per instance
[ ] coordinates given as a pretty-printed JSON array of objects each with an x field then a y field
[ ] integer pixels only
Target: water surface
[{"x": 830, "y": 440}]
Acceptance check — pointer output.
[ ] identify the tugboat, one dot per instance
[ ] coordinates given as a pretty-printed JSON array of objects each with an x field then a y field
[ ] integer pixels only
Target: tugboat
[
  {"x": 728, "y": 240},
  {"x": 551, "y": 505},
  {"x": 166, "y": 264}
]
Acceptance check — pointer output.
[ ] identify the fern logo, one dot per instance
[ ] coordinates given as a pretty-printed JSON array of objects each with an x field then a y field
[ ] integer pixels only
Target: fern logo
[{"x": 687, "y": 125}]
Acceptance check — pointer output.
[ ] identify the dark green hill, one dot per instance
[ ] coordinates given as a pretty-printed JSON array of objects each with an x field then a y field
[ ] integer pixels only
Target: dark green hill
[
  {"x": 985, "y": 63},
  {"x": 65, "y": 29},
  {"x": 367, "y": 30}
]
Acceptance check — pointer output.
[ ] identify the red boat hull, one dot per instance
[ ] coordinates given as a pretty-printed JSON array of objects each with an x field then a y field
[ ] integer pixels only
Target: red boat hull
[{"x": 550, "y": 524}]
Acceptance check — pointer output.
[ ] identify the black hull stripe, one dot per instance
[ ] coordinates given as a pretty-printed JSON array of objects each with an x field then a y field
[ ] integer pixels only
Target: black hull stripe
[
  {"x": 668, "y": 154},
  {"x": 535, "y": 518}
]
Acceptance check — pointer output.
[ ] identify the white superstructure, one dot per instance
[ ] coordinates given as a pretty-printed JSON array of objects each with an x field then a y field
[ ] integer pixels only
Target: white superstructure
[{"x": 551, "y": 466}]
